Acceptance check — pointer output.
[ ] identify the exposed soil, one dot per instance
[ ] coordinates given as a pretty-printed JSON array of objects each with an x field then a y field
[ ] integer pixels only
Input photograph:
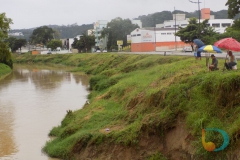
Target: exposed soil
[{"x": 174, "y": 144}]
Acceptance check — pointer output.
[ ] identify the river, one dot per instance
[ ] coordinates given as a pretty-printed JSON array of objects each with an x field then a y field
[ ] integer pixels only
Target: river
[{"x": 34, "y": 99}]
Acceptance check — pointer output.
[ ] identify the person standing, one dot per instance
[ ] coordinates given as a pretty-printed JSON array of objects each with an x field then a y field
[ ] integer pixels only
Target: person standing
[
  {"x": 232, "y": 61},
  {"x": 199, "y": 44}
]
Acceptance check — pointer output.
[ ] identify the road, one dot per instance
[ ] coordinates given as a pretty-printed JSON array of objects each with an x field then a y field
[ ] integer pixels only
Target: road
[{"x": 179, "y": 53}]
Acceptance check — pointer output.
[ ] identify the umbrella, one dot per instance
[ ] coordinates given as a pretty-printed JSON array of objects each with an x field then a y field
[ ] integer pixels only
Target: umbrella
[
  {"x": 210, "y": 49},
  {"x": 229, "y": 44},
  {"x": 198, "y": 42}
]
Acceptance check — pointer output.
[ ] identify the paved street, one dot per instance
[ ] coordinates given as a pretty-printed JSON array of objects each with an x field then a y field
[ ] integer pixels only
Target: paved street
[{"x": 172, "y": 53}]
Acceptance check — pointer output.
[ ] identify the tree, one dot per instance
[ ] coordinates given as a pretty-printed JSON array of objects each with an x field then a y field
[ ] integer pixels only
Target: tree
[
  {"x": 233, "y": 8},
  {"x": 53, "y": 44},
  {"x": 42, "y": 35},
  {"x": 85, "y": 42},
  {"x": 118, "y": 29},
  {"x": 15, "y": 43},
  {"x": 190, "y": 32},
  {"x": 233, "y": 31},
  {"x": 151, "y": 20},
  {"x": 5, "y": 54}
]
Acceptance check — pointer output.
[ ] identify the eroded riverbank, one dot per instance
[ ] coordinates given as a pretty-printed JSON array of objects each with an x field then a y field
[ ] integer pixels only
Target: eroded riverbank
[{"x": 146, "y": 107}]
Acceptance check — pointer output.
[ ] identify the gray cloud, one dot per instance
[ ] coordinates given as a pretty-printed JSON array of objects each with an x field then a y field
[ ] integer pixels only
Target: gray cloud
[{"x": 35, "y": 13}]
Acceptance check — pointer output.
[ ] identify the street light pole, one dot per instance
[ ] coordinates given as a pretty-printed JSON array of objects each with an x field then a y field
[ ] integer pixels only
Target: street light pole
[
  {"x": 199, "y": 15},
  {"x": 175, "y": 30}
]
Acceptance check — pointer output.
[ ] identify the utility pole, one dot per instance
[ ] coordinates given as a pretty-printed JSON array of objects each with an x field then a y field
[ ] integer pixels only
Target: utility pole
[
  {"x": 199, "y": 15},
  {"x": 175, "y": 30}
]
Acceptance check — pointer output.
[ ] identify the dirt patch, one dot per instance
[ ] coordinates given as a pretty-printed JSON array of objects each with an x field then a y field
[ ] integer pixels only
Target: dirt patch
[{"x": 174, "y": 143}]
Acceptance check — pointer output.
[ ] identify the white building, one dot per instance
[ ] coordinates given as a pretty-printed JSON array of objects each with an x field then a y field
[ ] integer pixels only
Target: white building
[
  {"x": 90, "y": 32},
  {"x": 162, "y": 37},
  {"x": 154, "y": 39},
  {"x": 219, "y": 25},
  {"x": 98, "y": 27},
  {"x": 16, "y": 34}
]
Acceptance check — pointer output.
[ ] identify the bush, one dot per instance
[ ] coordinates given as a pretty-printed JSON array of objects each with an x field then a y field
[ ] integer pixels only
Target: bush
[{"x": 5, "y": 55}]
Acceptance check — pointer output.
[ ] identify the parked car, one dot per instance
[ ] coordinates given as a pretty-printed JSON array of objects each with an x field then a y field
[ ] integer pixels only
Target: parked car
[
  {"x": 187, "y": 49},
  {"x": 104, "y": 51}
]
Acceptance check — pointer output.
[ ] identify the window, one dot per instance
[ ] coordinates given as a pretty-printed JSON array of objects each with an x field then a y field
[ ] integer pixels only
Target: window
[
  {"x": 138, "y": 34},
  {"x": 163, "y": 33},
  {"x": 167, "y": 26},
  {"x": 226, "y": 24},
  {"x": 134, "y": 35},
  {"x": 183, "y": 24},
  {"x": 169, "y": 33},
  {"x": 216, "y": 25}
]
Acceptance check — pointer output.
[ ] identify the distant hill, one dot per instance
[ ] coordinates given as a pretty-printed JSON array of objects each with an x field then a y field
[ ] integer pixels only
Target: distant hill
[
  {"x": 70, "y": 31},
  {"x": 159, "y": 17}
]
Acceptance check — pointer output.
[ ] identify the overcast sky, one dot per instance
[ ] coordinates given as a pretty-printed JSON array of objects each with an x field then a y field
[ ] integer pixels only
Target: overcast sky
[{"x": 36, "y": 13}]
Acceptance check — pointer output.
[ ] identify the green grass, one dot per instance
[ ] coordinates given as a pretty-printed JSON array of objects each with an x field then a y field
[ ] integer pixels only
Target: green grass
[
  {"x": 4, "y": 70},
  {"x": 137, "y": 94}
]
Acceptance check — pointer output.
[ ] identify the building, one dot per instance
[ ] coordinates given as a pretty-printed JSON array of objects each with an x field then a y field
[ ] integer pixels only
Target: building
[
  {"x": 16, "y": 34},
  {"x": 162, "y": 37},
  {"x": 90, "y": 32},
  {"x": 101, "y": 43},
  {"x": 219, "y": 25},
  {"x": 67, "y": 43},
  {"x": 154, "y": 39}
]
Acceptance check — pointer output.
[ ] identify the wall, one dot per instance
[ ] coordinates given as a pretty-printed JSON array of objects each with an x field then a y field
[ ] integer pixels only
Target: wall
[
  {"x": 205, "y": 13},
  {"x": 149, "y": 40}
]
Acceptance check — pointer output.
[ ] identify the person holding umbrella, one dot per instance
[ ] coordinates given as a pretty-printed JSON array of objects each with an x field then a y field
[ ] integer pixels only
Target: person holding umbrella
[
  {"x": 232, "y": 61},
  {"x": 214, "y": 64}
]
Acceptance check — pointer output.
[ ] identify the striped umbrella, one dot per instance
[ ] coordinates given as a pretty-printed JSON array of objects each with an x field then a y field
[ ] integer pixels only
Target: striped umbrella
[{"x": 210, "y": 49}]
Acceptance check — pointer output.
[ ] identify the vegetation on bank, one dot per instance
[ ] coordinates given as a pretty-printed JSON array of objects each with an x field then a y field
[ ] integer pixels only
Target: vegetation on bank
[
  {"x": 140, "y": 96},
  {"x": 4, "y": 70}
]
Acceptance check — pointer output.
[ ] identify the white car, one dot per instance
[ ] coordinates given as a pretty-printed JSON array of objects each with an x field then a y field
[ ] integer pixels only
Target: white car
[
  {"x": 98, "y": 51},
  {"x": 104, "y": 51},
  {"x": 187, "y": 49}
]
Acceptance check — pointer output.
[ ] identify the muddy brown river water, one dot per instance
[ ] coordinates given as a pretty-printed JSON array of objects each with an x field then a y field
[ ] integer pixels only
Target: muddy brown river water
[{"x": 33, "y": 99}]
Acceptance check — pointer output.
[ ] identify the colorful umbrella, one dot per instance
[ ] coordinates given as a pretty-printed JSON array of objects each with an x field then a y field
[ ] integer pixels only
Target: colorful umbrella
[
  {"x": 228, "y": 43},
  {"x": 210, "y": 49},
  {"x": 198, "y": 42}
]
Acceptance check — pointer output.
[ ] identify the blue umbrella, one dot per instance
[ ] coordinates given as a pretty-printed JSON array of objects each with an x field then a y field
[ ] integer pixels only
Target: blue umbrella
[
  {"x": 210, "y": 48},
  {"x": 198, "y": 42}
]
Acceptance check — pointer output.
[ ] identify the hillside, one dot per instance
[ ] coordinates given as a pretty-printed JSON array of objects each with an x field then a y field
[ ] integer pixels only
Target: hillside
[
  {"x": 4, "y": 70},
  {"x": 70, "y": 31},
  {"x": 146, "y": 107},
  {"x": 156, "y": 18}
]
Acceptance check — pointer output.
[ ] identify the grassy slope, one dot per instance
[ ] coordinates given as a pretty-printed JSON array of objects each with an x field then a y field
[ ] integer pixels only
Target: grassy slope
[
  {"x": 137, "y": 94},
  {"x": 4, "y": 70}
]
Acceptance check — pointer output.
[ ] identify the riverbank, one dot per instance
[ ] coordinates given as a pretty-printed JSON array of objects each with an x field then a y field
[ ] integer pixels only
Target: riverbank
[
  {"x": 4, "y": 70},
  {"x": 146, "y": 107}
]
